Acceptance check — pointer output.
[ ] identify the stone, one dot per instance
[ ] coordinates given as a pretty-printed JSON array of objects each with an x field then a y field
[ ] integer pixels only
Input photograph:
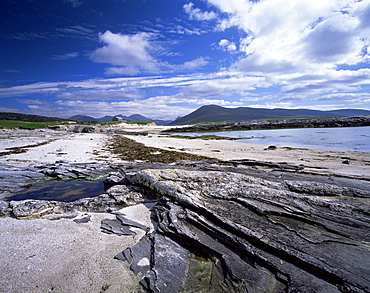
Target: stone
[
  {"x": 129, "y": 195},
  {"x": 82, "y": 220},
  {"x": 220, "y": 227},
  {"x": 265, "y": 235},
  {"x": 121, "y": 225},
  {"x": 4, "y": 209},
  {"x": 115, "y": 227}
]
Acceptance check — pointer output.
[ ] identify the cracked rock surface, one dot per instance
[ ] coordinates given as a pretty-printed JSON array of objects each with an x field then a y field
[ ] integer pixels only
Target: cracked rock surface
[
  {"x": 228, "y": 228},
  {"x": 247, "y": 234}
]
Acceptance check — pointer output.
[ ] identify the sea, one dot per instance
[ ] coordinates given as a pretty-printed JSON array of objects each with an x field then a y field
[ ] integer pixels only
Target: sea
[{"x": 336, "y": 139}]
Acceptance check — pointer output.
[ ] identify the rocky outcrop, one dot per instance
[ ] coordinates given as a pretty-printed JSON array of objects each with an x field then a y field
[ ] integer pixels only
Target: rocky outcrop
[
  {"x": 115, "y": 195},
  {"x": 222, "y": 228},
  {"x": 277, "y": 124},
  {"x": 256, "y": 235}
]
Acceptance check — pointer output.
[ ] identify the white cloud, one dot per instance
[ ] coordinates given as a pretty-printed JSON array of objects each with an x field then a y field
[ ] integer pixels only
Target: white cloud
[
  {"x": 11, "y": 109},
  {"x": 299, "y": 35},
  {"x": 65, "y": 56},
  {"x": 196, "y": 63},
  {"x": 30, "y": 101},
  {"x": 197, "y": 14},
  {"x": 227, "y": 45},
  {"x": 152, "y": 108},
  {"x": 128, "y": 70},
  {"x": 103, "y": 94},
  {"x": 130, "y": 52}
]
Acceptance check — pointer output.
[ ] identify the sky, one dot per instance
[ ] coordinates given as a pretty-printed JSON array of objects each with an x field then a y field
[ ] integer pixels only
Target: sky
[{"x": 166, "y": 58}]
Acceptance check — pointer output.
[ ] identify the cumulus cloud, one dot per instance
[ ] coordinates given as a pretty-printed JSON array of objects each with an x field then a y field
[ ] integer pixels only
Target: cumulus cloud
[
  {"x": 227, "y": 45},
  {"x": 302, "y": 35},
  {"x": 197, "y": 14},
  {"x": 131, "y": 53}
]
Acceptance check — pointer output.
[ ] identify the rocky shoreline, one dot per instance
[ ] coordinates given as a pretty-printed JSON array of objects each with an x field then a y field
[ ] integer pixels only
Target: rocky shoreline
[
  {"x": 223, "y": 228},
  {"x": 216, "y": 225},
  {"x": 278, "y": 124}
]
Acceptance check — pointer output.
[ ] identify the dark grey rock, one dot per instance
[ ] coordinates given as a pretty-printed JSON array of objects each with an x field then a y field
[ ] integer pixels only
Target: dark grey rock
[
  {"x": 33, "y": 208},
  {"x": 120, "y": 225},
  {"x": 221, "y": 228},
  {"x": 266, "y": 236},
  {"x": 115, "y": 227},
  {"x": 127, "y": 222},
  {"x": 4, "y": 209},
  {"x": 129, "y": 195},
  {"x": 85, "y": 129},
  {"x": 115, "y": 178}
]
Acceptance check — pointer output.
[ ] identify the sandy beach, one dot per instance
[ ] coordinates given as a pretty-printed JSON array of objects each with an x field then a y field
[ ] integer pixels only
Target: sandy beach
[
  {"x": 336, "y": 162},
  {"x": 62, "y": 256},
  {"x": 90, "y": 147}
]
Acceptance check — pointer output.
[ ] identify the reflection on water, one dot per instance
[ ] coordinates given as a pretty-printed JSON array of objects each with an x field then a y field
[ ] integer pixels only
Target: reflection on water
[
  {"x": 339, "y": 138},
  {"x": 61, "y": 190}
]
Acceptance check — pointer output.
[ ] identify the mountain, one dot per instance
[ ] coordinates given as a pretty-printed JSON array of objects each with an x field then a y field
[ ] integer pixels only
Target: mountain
[
  {"x": 134, "y": 117},
  {"x": 137, "y": 117},
  {"x": 213, "y": 113},
  {"x": 82, "y": 118},
  {"x": 29, "y": 118},
  {"x": 105, "y": 119}
]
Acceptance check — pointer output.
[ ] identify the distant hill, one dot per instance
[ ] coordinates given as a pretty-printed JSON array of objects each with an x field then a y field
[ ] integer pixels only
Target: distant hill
[
  {"x": 213, "y": 113},
  {"x": 134, "y": 117},
  {"x": 82, "y": 118},
  {"x": 29, "y": 118}
]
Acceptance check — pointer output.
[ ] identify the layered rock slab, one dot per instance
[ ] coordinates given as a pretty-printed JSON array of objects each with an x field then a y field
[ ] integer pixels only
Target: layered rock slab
[{"x": 261, "y": 235}]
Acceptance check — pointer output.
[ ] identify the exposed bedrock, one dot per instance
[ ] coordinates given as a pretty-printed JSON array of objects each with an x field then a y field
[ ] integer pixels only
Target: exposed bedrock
[
  {"x": 223, "y": 228},
  {"x": 258, "y": 235}
]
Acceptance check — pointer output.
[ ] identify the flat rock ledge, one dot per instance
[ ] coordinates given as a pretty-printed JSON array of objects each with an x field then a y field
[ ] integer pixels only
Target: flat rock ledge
[{"x": 236, "y": 229}]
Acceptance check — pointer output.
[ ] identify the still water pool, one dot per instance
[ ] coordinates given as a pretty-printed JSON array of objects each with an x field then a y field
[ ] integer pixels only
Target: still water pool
[{"x": 61, "y": 190}]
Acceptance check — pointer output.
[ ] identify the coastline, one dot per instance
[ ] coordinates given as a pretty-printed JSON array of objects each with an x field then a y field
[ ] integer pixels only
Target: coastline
[
  {"x": 40, "y": 255},
  {"x": 320, "y": 161},
  {"x": 92, "y": 147}
]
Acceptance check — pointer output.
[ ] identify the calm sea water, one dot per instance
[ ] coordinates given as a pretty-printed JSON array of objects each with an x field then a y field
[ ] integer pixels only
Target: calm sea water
[{"x": 339, "y": 139}]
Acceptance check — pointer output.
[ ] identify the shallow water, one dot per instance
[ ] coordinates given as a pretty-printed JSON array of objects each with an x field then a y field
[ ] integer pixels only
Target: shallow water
[
  {"x": 339, "y": 139},
  {"x": 61, "y": 190}
]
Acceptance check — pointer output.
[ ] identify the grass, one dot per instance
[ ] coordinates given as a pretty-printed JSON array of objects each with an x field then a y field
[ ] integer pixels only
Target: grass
[
  {"x": 139, "y": 122},
  {"x": 25, "y": 124}
]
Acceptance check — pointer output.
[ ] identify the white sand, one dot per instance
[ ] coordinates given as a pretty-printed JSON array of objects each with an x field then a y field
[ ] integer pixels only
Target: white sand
[
  {"x": 73, "y": 147},
  {"x": 232, "y": 150},
  {"x": 62, "y": 256}
]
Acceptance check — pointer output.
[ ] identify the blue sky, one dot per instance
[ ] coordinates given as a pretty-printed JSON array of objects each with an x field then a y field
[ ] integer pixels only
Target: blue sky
[{"x": 166, "y": 58}]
